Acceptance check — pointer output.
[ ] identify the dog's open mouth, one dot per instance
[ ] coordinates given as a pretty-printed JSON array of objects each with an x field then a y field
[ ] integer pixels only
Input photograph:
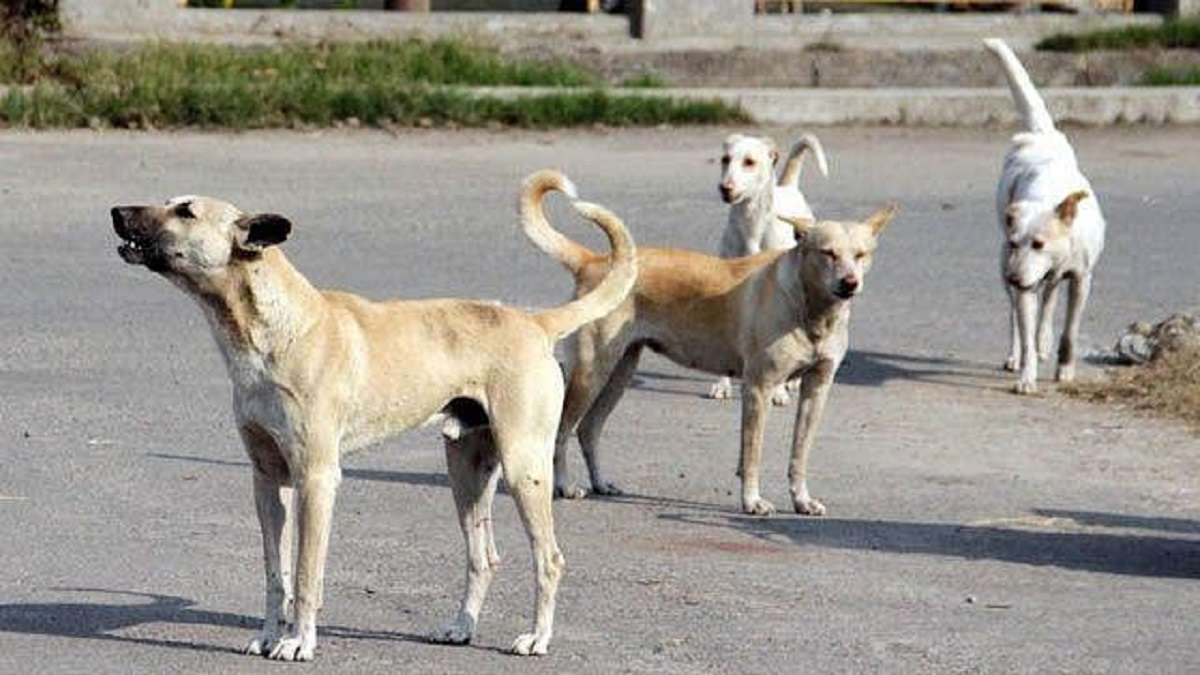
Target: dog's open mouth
[{"x": 132, "y": 252}]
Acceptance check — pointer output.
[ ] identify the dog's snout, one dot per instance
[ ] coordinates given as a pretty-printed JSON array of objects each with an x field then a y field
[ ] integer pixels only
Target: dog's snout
[
  {"x": 848, "y": 286},
  {"x": 120, "y": 218},
  {"x": 1013, "y": 280}
]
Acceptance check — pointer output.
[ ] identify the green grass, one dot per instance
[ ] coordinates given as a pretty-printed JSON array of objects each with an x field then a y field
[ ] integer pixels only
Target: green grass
[
  {"x": 1165, "y": 76},
  {"x": 648, "y": 80},
  {"x": 377, "y": 84},
  {"x": 1177, "y": 34}
]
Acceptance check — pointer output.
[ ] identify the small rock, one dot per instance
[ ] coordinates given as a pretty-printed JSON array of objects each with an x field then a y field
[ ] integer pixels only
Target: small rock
[{"x": 970, "y": 599}]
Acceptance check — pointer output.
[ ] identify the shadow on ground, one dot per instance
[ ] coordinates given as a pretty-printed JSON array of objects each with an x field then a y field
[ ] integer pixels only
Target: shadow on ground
[
  {"x": 1136, "y": 555},
  {"x": 99, "y": 620},
  {"x": 409, "y": 477}
]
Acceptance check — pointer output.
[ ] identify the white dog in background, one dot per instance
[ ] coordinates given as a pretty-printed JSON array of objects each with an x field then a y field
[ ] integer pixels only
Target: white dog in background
[
  {"x": 1053, "y": 231},
  {"x": 761, "y": 208}
]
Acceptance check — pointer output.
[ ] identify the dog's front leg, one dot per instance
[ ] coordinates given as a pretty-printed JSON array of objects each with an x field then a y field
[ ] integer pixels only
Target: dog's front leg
[
  {"x": 814, "y": 391},
  {"x": 754, "y": 419},
  {"x": 1026, "y": 314},
  {"x": 274, "y": 505},
  {"x": 316, "y": 491},
  {"x": 1013, "y": 362},
  {"x": 1045, "y": 331},
  {"x": 1081, "y": 287}
]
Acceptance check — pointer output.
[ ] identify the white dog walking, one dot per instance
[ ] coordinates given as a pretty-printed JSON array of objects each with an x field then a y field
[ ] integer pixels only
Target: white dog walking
[
  {"x": 1053, "y": 231},
  {"x": 759, "y": 205}
]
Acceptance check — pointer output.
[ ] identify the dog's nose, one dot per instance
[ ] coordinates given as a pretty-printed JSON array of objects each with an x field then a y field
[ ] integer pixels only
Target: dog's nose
[
  {"x": 1013, "y": 280},
  {"x": 849, "y": 285}
]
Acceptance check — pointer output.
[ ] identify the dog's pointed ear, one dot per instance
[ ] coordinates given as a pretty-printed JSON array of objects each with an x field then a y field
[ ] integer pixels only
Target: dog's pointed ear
[
  {"x": 800, "y": 227},
  {"x": 772, "y": 149},
  {"x": 1069, "y": 206},
  {"x": 258, "y": 231},
  {"x": 879, "y": 220}
]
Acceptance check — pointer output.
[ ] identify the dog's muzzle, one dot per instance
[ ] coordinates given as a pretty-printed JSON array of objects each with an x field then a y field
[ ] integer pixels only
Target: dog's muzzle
[
  {"x": 134, "y": 246},
  {"x": 847, "y": 289},
  {"x": 727, "y": 194}
]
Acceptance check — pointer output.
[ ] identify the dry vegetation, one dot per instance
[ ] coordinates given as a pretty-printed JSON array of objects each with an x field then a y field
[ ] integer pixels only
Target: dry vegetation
[{"x": 1168, "y": 386}]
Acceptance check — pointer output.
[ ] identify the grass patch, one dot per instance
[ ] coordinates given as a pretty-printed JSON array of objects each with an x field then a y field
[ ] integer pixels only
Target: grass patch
[
  {"x": 1173, "y": 34},
  {"x": 645, "y": 81},
  {"x": 1167, "y": 386},
  {"x": 378, "y": 84},
  {"x": 1163, "y": 76}
]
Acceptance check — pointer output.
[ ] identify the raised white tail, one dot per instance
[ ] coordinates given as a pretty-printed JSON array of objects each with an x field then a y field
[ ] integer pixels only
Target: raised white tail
[
  {"x": 1029, "y": 101},
  {"x": 795, "y": 160}
]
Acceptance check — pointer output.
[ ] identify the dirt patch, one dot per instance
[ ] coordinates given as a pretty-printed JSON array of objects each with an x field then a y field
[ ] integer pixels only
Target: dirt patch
[{"x": 1166, "y": 379}]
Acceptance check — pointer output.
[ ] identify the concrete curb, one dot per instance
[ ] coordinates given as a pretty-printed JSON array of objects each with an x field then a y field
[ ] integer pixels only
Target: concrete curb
[{"x": 1089, "y": 106}]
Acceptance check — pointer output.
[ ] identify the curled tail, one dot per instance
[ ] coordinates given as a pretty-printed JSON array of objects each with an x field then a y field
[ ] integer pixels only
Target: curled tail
[
  {"x": 622, "y": 272},
  {"x": 1029, "y": 101},
  {"x": 795, "y": 160}
]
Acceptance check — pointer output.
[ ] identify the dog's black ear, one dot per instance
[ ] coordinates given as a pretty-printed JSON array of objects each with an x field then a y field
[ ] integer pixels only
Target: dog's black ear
[
  {"x": 261, "y": 230},
  {"x": 1068, "y": 207}
]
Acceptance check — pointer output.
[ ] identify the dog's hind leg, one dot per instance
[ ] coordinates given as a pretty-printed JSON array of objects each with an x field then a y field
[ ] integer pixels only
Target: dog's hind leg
[
  {"x": 592, "y": 423},
  {"x": 316, "y": 491},
  {"x": 473, "y": 469},
  {"x": 1081, "y": 287},
  {"x": 524, "y": 424},
  {"x": 598, "y": 348},
  {"x": 814, "y": 391},
  {"x": 1045, "y": 331}
]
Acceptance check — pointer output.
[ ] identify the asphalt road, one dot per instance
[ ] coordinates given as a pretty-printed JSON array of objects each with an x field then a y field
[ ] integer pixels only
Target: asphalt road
[{"x": 969, "y": 529}]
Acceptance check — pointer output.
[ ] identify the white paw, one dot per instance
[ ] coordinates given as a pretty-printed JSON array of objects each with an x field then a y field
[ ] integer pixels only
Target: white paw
[
  {"x": 570, "y": 492},
  {"x": 780, "y": 396},
  {"x": 721, "y": 389},
  {"x": 793, "y": 386},
  {"x": 456, "y": 632},
  {"x": 294, "y": 648},
  {"x": 531, "y": 644},
  {"x": 1066, "y": 373},
  {"x": 758, "y": 507},
  {"x": 261, "y": 644},
  {"x": 606, "y": 488},
  {"x": 1010, "y": 364},
  {"x": 1024, "y": 387},
  {"x": 809, "y": 507}
]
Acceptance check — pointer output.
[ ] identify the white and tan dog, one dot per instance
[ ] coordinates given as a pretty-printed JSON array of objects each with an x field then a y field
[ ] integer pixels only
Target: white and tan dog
[
  {"x": 764, "y": 318},
  {"x": 318, "y": 373},
  {"x": 760, "y": 208},
  {"x": 1053, "y": 231}
]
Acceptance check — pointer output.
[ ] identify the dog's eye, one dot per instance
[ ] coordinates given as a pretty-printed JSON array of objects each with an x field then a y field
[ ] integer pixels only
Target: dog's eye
[
  {"x": 860, "y": 255},
  {"x": 830, "y": 253},
  {"x": 1038, "y": 244},
  {"x": 184, "y": 210}
]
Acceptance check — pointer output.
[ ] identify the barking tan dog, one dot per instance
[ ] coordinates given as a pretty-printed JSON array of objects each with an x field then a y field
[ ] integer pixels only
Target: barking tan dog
[
  {"x": 316, "y": 373},
  {"x": 764, "y": 318}
]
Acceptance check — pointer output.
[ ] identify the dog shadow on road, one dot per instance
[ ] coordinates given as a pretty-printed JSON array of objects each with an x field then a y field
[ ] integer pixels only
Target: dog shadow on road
[
  {"x": 409, "y": 477},
  {"x": 103, "y": 621},
  {"x": 860, "y": 369},
  {"x": 1105, "y": 552}
]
